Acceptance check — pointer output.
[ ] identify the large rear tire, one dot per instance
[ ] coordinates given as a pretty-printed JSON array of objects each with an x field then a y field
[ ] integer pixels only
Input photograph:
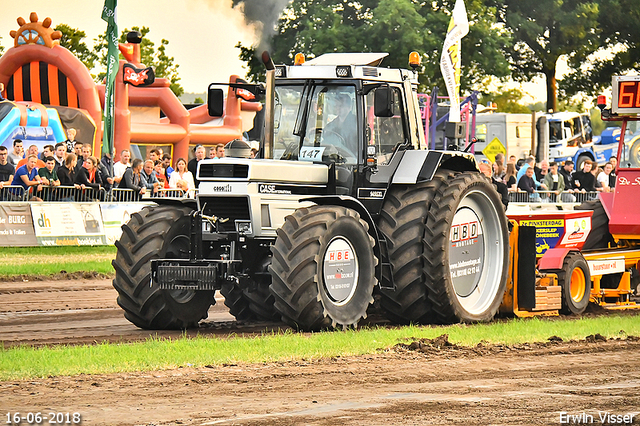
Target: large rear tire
[
  {"x": 466, "y": 249},
  {"x": 323, "y": 268},
  {"x": 402, "y": 222},
  {"x": 156, "y": 232}
]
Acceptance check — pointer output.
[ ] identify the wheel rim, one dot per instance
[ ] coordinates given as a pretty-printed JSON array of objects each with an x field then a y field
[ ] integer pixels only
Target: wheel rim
[
  {"x": 577, "y": 285},
  {"x": 340, "y": 271},
  {"x": 179, "y": 248},
  {"x": 476, "y": 252}
]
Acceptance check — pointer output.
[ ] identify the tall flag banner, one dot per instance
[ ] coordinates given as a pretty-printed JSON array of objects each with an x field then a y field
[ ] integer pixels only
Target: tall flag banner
[
  {"x": 109, "y": 14},
  {"x": 450, "y": 58}
]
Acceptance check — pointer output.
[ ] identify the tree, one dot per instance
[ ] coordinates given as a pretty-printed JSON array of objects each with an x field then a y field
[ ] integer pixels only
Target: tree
[
  {"x": 507, "y": 100},
  {"x": 544, "y": 30},
  {"x": 163, "y": 64},
  {"x": 314, "y": 27},
  {"x": 619, "y": 52},
  {"x": 73, "y": 40}
]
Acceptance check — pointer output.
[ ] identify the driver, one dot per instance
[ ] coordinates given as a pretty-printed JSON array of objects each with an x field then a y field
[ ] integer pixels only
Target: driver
[{"x": 344, "y": 125}]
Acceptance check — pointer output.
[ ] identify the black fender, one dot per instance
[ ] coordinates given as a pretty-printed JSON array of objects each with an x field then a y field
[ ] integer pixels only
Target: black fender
[
  {"x": 380, "y": 247},
  {"x": 180, "y": 202},
  {"x": 413, "y": 166}
]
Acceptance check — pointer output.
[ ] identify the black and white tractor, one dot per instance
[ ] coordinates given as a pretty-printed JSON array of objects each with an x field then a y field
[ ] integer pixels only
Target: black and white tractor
[{"x": 345, "y": 203}]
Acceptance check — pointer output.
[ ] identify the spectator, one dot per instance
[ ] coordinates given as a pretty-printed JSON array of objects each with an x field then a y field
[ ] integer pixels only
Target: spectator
[
  {"x": 85, "y": 153},
  {"x": 33, "y": 150},
  {"x": 181, "y": 174},
  {"x": 153, "y": 155},
  {"x": 220, "y": 151},
  {"x": 160, "y": 173},
  {"x": 501, "y": 188},
  {"x": 149, "y": 178},
  {"x": 132, "y": 179},
  {"x": 613, "y": 176},
  {"x": 49, "y": 178},
  {"x": 541, "y": 171},
  {"x": 498, "y": 171},
  {"x": 510, "y": 177},
  {"x": 605, "y": 177},
  {"x": 166, "y": 163},
  {"x": 121, "y": 166},
  {"x": 193, "y": 164},
  {"x": 89, "y": 175},
  {"x": 17, "y": 154},
  {"x": 499, "y": 158},
  {"x": 77, "y": 149},
  {"x": 71, "y": 139},
  {"x": 27, "y": 175},
  {"x": 584, "y": 180},
  {"x": 526, "y": 183},
  {"x": 554, "y": 181},
  {"x": 48, "y": 174},
  {"x": 6, "y": 168},
  {"x": 212, "y": 152},
  {"x": 107, "y": 162},
  {"x": 67, "y": 173},
  {"x": 47, "y": 151},
  {"x": 529, "y": 162},
  {"x": 567, "y": 173},
  {"x": 60, "y": 153}
]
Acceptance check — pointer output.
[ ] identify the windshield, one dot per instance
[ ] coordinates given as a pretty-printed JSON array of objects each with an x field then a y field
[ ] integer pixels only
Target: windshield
[{"x": 316, "y": 122}]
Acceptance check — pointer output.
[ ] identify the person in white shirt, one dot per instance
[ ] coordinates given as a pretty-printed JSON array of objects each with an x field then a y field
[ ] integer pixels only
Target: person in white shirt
[
  {"x": 603, "y": 177},
  {"x": 122, "y": 165},
  {"x": 181, "y": 173}
]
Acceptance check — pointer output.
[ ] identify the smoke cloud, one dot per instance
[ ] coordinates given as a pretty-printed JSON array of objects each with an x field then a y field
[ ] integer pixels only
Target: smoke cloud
[{"x": 263, "y": 15}]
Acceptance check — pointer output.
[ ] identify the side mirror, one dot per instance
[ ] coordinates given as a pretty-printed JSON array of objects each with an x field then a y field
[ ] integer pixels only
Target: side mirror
[
  {"x": 215, "y": 102},
  {"x": 383, "y": 102}
]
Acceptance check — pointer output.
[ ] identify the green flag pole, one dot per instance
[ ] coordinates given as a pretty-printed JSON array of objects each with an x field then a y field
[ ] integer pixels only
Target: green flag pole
[{"x": 109, "y": 14}]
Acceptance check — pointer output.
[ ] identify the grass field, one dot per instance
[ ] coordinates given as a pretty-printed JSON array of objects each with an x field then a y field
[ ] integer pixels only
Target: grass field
[
  {"x": 52, "y": 260},
  {"x": 159, "y": 354}
]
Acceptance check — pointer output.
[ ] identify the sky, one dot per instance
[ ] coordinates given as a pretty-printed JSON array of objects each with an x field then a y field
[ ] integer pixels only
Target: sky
[{"x": 201, "y": 33}]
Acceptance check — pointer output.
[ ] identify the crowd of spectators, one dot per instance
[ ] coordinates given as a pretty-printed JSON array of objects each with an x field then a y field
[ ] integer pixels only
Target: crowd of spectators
[
  {"x": 556, "y": 182},
  {"x": 72, "y": 166}
]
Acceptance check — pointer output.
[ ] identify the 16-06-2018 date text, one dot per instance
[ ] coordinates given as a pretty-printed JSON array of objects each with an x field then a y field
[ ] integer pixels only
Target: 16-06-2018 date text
[{"x": 47, "y": 418}]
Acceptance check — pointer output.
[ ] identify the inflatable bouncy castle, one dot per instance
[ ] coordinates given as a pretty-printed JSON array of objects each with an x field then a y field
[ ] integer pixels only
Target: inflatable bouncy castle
[{"x": 48, "y": 90}]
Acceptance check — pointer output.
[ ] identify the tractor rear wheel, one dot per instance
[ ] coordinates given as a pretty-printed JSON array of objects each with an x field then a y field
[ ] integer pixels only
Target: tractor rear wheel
[
  {"x": 575, "y": 280},
  {"x": 466, "y": 249},
  {"x": 402, "y": 222},
  {"x": 323, "y": 268},
  {"x": 156, "y": 232}
]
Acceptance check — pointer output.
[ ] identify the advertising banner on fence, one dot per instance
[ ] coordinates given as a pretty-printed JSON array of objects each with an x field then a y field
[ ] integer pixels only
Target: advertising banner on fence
[
  {"x": 68, "y": 224},
  {"x": 16, "y": 226},
  {"x": 114, "y": 215}
]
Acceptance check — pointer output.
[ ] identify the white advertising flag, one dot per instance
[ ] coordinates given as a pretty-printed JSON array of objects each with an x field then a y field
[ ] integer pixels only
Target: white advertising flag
[{"x": 450, "y": 59}]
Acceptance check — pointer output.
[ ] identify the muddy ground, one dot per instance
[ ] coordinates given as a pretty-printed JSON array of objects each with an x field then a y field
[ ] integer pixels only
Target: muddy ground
[{"x": 418, "y": 383}]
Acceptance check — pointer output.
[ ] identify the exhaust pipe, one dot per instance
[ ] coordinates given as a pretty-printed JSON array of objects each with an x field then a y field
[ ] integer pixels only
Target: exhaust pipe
[{"x": 269, "y": 105}]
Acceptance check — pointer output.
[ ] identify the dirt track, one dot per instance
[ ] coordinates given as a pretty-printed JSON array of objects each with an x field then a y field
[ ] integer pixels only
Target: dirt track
[{"x": 425, "y": 384}]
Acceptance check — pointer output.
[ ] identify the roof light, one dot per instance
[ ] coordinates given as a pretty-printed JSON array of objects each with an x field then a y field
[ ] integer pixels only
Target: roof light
[
  {"x": 281, "y": 71},
  {"x": 299, "y": 59},
  {"x": 343, "y": 71},
  {"x": 414, "y": 60},
  {"x": 602, "y": 102}
]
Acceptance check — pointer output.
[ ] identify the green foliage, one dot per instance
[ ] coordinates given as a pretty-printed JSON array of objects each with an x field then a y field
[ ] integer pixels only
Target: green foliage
[
  {"x": 164, "y": 66},
  {"x": 73, "y": 40},
  {"x": 52, "y": 260},
  {"x": 507, "y": 100},
  {"x": 160, "y": 354},
  {"x": 398, "y": 27},
  {"x": 198, "y": 100}
]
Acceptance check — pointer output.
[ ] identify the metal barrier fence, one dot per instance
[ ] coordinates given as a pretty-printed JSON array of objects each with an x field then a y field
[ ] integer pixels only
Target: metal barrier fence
[
  {"x": 70, "y": 193},
  {"x": 551, "y": 197}
]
